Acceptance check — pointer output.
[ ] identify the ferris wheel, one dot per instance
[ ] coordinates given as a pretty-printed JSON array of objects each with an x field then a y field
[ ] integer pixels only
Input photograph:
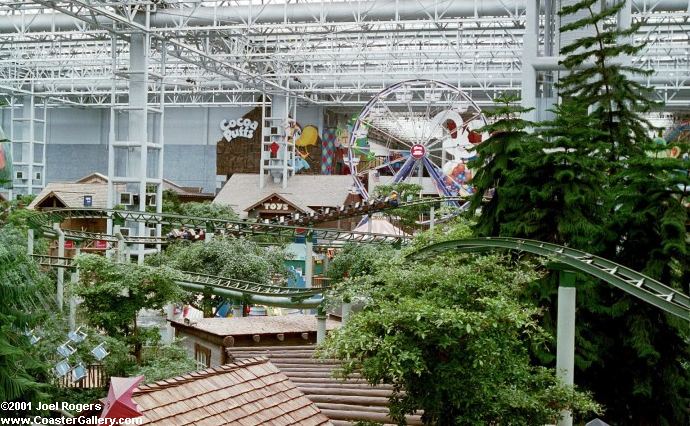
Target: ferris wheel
[
  {"x": 416, "y": 129},
  {"x": 679, "y": 135}
]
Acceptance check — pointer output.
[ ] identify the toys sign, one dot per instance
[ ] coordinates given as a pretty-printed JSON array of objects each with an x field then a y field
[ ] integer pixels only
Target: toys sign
[
  {"x": 240, "y": 128},
  {"x": 276, "y": 206}
]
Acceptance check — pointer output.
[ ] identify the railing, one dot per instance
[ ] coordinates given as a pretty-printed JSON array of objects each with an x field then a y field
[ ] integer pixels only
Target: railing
[
  {"x": 320, "y": 282},
  {"x": 95, "y": 378}
]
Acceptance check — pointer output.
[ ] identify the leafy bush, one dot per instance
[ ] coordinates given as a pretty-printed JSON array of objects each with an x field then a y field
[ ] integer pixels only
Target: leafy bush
[
  {"x": 163, "y": 362},
  {"x": 453, "y": 338},
  {"x": 26, "y": 297},
  {"x": 113, "y": 294},
  {"x": 227, "y": 257}
]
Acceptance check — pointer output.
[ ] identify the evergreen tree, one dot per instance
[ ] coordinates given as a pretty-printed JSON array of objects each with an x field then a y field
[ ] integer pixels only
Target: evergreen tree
[
  {"x": 559, "y": 182},
  {"x": 597, "y": 76},
  {"x": 589, "y": 182},
  {"x": 640, "y": 372},
  {"x": 647, "y": 223},
  {"x": 22, "y": 290},
  {"x": 496, "y": 158}
]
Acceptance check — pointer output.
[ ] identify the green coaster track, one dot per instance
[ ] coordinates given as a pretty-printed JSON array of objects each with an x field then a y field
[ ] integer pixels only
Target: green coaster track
[
  {"x": 44, "y": 220},
  {"x": 281, "y": 296},
  {"x": 288, "y": 297},
  {"x": 372, "y": 206},
  {"x": 632, "y": 282}
]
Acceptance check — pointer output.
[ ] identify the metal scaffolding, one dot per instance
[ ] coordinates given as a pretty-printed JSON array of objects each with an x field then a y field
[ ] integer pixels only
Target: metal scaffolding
[
  {"x": 28, "y": 137},
  {"x": 135, "y": 151},
  {"x": 334, "y": 53}
]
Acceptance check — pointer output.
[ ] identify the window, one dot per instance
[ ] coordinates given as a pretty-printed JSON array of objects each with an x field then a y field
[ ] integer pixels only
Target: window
[
  {"x": 202, "y": 355},
  {"x": 88, "y": 200}
]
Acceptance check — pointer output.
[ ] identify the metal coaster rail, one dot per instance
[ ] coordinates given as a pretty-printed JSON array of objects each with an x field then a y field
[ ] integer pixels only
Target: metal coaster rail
[
  {"x": 373, "y": 205},
  {"x": 632, "y": 282},
  {"x": 273, "y": 295},
  {"x": 44, "y": 221},
  {"x": 227, "y": 287}
]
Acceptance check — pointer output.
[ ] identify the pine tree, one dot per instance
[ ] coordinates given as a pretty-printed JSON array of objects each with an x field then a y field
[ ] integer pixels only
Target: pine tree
[
  {"x": 599, "y": 78},
  {"x": 496, "y": 158},
  {"x": 589, "y": 182},
  {"x": 640, "y": 372},
  {"x": 558, "y": 182}
]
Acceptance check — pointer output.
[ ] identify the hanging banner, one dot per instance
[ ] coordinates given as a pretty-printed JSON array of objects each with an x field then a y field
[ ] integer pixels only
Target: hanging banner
[{"x": 6, "y": 171}]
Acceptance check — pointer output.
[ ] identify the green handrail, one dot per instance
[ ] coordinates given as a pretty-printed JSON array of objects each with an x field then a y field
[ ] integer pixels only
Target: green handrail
[
  {"x": 288, "y": 297},
  {"x": 632, "y": 282},
  {"x": 43, "y": 221}
]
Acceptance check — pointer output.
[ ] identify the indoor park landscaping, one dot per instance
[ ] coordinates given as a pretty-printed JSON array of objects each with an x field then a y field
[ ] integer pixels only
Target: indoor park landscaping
[{"x": 396, "y": 222}]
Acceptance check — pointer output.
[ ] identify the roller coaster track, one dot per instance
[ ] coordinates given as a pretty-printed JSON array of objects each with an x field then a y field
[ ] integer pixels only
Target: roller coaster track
[
  {"x": 273, "y": 295},
  {"x": 44, "y": 220},
  {"x": 626, "y": 279},
  {"x": 368, "y": 207},
  {"x": 296, "y": 227},
  {"x": 227, "y": 287}
]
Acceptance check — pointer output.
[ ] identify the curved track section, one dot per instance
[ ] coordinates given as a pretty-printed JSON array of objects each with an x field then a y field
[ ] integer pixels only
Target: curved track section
[
  {"x": 288, "y": 297},
  {"x": 626, "y": 279},
  {"x": 44, "y": 220},
  {"x": 374, "y": 205},
  {"x": 287, "y": 230},
  {"x": 221, "y": 286}
]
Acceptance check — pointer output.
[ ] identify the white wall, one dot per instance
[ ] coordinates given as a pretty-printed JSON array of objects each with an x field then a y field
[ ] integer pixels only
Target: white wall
[{"x": 78, "y": 140}]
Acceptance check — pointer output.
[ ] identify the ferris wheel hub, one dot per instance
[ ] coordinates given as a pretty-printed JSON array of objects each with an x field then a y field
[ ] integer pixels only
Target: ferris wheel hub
[{"x": 418, "y": 151}]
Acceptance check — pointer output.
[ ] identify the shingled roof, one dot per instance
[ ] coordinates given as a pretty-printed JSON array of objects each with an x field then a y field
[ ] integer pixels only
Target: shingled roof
[
  {"x": 71, "y": 195},
  {"x": 305, "y": 191},
  {"x": 168, "y": 185},
  {"x": 248, "y": 392},
  {"x": 343, "y": 401},
  {"x": 238, "y": 326}
]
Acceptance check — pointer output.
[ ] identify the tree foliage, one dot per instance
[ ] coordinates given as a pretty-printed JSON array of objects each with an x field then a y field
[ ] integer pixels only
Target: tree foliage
[
  {"x": 452, "y": 337},
  {"x": 496, "y": 159},
  {"x": 163, "y": 362},
  {"x": 172, "y": 204},
  {"x": 235, "y": 258},
  {"x": 558, "y": 181},
  {"x": 355, "y": 260},
  {"x": 113, "y": 294},
  {"x": 456, "y": 228},
  {"x": 24, "y": 292},
  {"x": 593, "y": 179},
  {"x": 14, "y": 212},
  {"x": 646, "y": 229},
  {"x": 410, "y": 214},
  {"x": 617, "y": 101}
]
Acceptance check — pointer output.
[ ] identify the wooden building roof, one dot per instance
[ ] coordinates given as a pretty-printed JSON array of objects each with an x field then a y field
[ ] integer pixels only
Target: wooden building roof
[
  {"x": 248, "y": 392},
  {"x": 238, "y": 326},
  {"x": 168, "y": 185},
  {"x": 71, "y": 195},
  {"x": 343, "y": 401},
  {"x": 306, "y": 192}
]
